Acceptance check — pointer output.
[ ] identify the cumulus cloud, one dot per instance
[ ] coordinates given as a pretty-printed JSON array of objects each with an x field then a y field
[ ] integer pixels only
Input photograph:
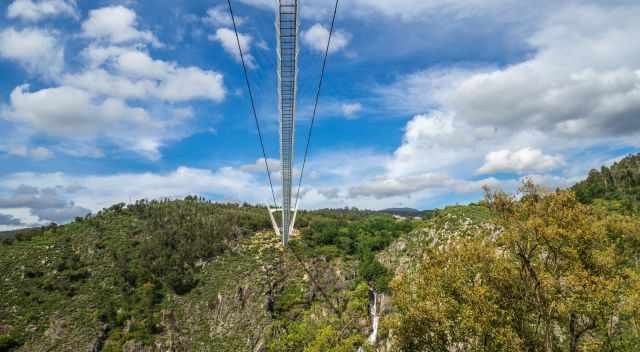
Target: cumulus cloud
[
  {"x": 437, "y": 152},
  {"x": 582, "y": 81},
  {"x": 259, "y": 166},
  {"x": 9, "y": 220},
  {"x": 131, "y": 73},
  {"x": 520, "y": 161},
  {"x": 82, "y": 116},
  {"x": 116, "y": 24},
  {"x": 436, "y": 141},
  {"x": 77, "y": 112},
  {"x": 227, "y": 38},
  {"x": 578, "y": 89},
  {"x": 49, "y": 191},
  {"x": 351, "y": 110},
  {"x": 384, "y": 187},
  {"x": 38, "y": 51},
  {"x": 120, "y": 95},
  {"x": 33, "y": 11},
  {"x": 48, "y": 204},
  {"x": 317, "y": 37},
  {"x": 218, "y": 16},
  {"x": 407, "y": 10},
  {"x": 330, "y": 193}
]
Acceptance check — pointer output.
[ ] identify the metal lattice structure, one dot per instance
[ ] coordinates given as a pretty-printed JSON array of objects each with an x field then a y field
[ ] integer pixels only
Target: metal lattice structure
[{"x": 287, "y": 25}]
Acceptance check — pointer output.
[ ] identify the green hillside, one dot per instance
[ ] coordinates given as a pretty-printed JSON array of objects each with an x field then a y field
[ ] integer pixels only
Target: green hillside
[
  {"x": 191, "y": 275},
  {"x": 547, "y": 271},
  {"x": 618, "y": 184}
]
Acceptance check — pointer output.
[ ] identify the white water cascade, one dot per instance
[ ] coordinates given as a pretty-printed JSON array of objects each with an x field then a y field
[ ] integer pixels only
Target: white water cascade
[{"x": 375, "y": 318}]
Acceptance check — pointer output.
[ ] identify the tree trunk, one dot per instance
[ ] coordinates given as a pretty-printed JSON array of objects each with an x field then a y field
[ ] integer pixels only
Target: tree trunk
[{"x": 573, "y": 344}]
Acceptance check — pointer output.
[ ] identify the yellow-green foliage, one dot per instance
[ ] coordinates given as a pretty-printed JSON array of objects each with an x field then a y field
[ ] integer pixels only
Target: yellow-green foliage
[
  {"x": 560, "y": 276},
  {"x": 322, "y": 330}
]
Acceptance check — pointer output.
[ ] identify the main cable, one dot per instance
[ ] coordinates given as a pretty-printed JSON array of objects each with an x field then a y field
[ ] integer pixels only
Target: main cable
[
  {"x": 253, "y": 106},
  {"x": 315, "y": 106}
]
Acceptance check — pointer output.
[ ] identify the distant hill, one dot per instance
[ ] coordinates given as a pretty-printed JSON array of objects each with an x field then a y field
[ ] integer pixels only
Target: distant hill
[
  {"x": 619, "y": 182},
  {"x": 28, "y": 232},
  {"x": 407, "y": 212}
]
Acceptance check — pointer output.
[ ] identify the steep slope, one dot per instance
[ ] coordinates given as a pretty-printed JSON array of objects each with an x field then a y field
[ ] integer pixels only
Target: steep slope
[
  {"x": 542, "y": 272},
  {"x": 191, "y": 275}
]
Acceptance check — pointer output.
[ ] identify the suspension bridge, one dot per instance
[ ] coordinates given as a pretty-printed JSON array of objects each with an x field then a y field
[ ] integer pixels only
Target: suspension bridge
[{"x": 287, "y": 30}]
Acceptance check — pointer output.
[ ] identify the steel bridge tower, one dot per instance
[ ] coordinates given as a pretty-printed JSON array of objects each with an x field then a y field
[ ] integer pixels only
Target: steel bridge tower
[{"x": 287, "y": 25}]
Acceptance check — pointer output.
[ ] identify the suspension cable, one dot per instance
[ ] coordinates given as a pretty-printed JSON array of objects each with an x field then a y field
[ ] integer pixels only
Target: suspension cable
[
  {"x": 314, "y": 281},
  {"x": 317, "y": 99},
  {"x": 253, "y": 106}
]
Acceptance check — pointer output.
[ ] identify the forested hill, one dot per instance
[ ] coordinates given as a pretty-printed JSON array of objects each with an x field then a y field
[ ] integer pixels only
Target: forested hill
[
  {"x": 191, "y": 275},
  {"x": 620, "y": 182},
  {"x": 543, "y": 271}
]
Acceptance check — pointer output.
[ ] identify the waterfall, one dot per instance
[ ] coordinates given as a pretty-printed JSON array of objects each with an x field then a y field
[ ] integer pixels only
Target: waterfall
[{"x": 375, "y": 318}]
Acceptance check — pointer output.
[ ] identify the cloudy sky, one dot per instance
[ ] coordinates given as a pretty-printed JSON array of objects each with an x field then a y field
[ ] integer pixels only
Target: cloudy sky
[{"x": 424, "y": 101}]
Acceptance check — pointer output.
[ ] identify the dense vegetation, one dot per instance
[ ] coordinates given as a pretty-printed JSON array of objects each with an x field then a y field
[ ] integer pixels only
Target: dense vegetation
[
  {"x": 344, "y": 233},
  {"x": 538, "y": 271},
  {"x": 112, "y": 279},
  {"x": 618, "y": 185},
  {"x": 551, "y": 274}
]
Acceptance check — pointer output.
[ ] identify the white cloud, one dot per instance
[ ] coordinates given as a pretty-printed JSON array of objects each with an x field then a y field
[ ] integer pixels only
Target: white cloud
[
  {"x": 40, "y": 153},
  {"x": 96, "y": 55},
  {"x": 29, "y": 10},
  {"x": 218, "y": 16},
  {"x": 424, "y": 90},
  {"x": 317, "y": 37},
  {"x": 77, "y": 112},
  {"x": 351, "y": 110},
  {"x": 383, "y": 187},
  {"x": 47, "y": 204},
  {"x": 82, "y": 116},
  {"x": 8, "y": 221},
  {"x": 259, "y": 166},
  {"x": 578, "y": 90},
  {"x": 80, "y": 150},
  {"x": 583, "y": 80},
  {"x": 408, "y": 10},
  {"x": 436, "y": 141},
  {"x": 97, "y": 192},
  {"x": 136, "y": 75},
  {"x": 121, "y": 95},
  {"x": 116, "y": 24},
  {"x": 520, "y": 161},
  {"x": 38, "y": 51},
  {"x": 227, "y": 38},
  {"x": 412, "y": 10}
]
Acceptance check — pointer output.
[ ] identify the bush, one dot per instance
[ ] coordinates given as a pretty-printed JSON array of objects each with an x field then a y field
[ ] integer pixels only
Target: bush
[
  {"x": 370, "y": 270},
  {"x": 9, "y": 342}
]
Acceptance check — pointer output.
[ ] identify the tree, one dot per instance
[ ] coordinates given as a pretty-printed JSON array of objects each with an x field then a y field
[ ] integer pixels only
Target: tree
[{"x": 560, "y": 276}]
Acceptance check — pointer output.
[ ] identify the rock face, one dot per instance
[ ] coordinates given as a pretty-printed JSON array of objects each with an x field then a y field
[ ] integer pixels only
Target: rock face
[
  {"x": 56, "y": 329},
  {"x": 135, "y": 346},
  {"x": 123, "y": 281}
]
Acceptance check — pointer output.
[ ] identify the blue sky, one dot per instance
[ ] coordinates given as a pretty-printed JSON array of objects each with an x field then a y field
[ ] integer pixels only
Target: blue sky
[{"x": 423, "y": 103}]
